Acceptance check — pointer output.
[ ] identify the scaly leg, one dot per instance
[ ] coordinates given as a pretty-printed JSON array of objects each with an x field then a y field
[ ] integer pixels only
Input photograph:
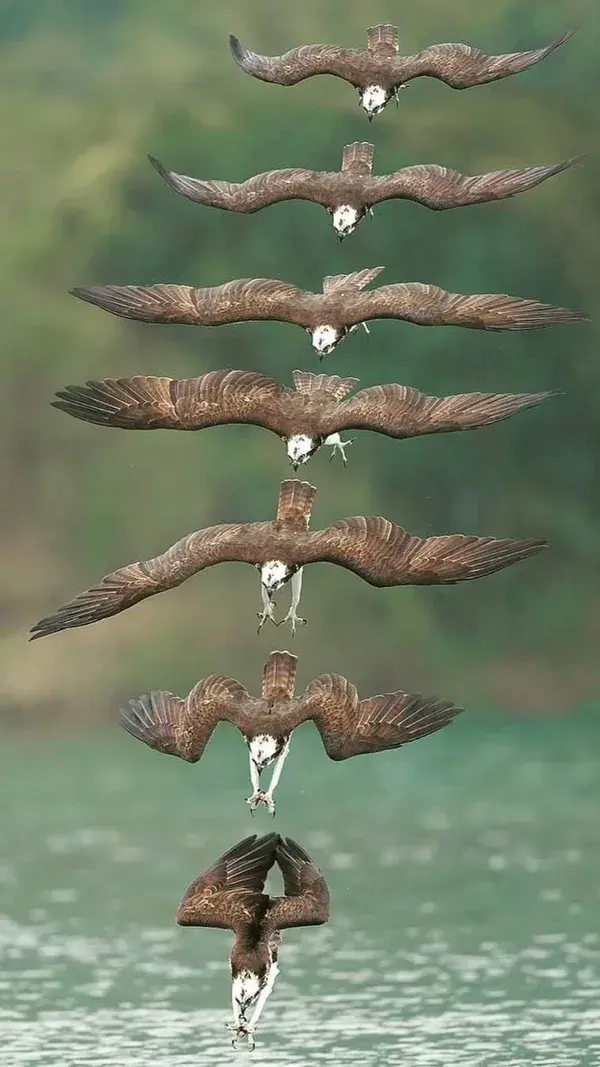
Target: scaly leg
[
  {"x": 268, "y": 611},
  {"x": 239, "y": 1027},
  {"x": 267, "y": 797},
  {"x": 260, "y": 1004},
  {"x": 338, "y": 446},
  {"x": 291, "y": 616},
  {"x": 257, "y": 793}
]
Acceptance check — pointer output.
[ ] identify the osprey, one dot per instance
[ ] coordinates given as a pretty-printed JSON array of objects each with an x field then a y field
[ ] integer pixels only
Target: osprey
[
  {"x": 230, "y": 896},
  {"x": 326, "y": 316},
  {"x": 379, "y": 551},
  {"x": 305, "y": 418},
  {"x": 348, "y": 726},
  {"x": 352, "y": 192},
  {"x": 378, "y": 71}
]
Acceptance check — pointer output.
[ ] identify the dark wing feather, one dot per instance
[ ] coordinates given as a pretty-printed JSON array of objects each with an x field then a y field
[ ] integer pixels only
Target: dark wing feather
[
  {"x": 306, "y": 900},
  {"x": 241, "y": 300},
  {"x": 428, "y": 305},
  {"x": 148, "y": 403},
  {"x": 183, "y": 728},
  {"x": 460, "y": 66},
  {"x": 399, "y": 411},
  {"x": 252, "y": 195},
  {"x": 127, "y": 586},
  {"x": 299, "y": 63},
  {"x": 384, "y": 554},
  {"x": 352, "y": 728},
  {"x": 441, "y": 188},
  {"x": 229, "y": 894}
]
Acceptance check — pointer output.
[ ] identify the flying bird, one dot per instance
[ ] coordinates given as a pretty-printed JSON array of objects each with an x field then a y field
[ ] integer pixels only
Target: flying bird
[
  {"x": 312, "y": 414},
  {"x": 377, "y": 550},
  {"x": 378, "y": 71},
  {"x": 230, "y": 895},
  {"x": 348, "y": 195},
  {"x": 348, "y": 726},
  {"x": 326, "y": 316}
]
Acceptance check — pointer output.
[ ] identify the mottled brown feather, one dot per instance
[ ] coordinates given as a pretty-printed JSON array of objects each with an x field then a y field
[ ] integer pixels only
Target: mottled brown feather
[
  {"x": 294, "y": 508},
  {"x": 254, "y": 194},
  {"x": 279, "y": 676},
  {"x": 229, "y": 894},
  {"x": 306, "y": 901},
  {"x": 357, "y": 159}
]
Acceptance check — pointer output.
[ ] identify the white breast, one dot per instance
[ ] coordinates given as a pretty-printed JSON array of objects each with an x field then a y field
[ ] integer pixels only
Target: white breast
[
  {"x": 324, "y": 339},
  {"x": 374, "y": 99},
  {"x": 263, "y": 749},
  {"x": 245, "y": 987},
  {"x": 273, "y": 573},
  {"x": 299, "y": 446},
  {"x": 345, "y": 218}
]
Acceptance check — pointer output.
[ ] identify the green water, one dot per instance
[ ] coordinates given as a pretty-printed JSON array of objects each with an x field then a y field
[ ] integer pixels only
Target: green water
[{"x": 464, "y": 874}]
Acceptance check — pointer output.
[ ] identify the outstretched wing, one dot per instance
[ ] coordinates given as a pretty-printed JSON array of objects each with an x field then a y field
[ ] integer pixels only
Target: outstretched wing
[
  {"x": 183, "y": 728},
  {"x": 127, "y": 586},
  {"x": 399, "y": 411},
  {"x": 306, "y": 900},
  {"x": 384, "y": 554},
  {"x": 460, "y": 66},
  {"x": 148, "y": 403},
  {"x": 249, "y": 196},
  {"x": 428, "y": 305},
  {"x": 349, "y": 727},
  {"x": 242, "y": 300},
  {"x": 441, "y": 188},
  {"x": 299, "y": 63},
  {"x": 229, "y": 894}
]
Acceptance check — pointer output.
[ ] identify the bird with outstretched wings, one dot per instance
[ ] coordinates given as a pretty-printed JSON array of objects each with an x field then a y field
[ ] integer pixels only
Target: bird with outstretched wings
[
  {"x": 312, "y": 414},
  {"x": 352, "y": 192},
  {"x": 378, "y": 71},
  {"x": 328, "y": 316},
  {"x": 348, "y": 726},
  {"x": 377, "y": 550}
]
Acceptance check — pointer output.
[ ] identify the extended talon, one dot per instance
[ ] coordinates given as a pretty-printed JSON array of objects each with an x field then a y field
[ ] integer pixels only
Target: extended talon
[{"x": 255, "y": 800}]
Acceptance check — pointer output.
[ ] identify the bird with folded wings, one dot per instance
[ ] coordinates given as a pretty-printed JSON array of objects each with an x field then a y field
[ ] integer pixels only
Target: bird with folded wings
[
  {"x": 312, "y": 414},
  {"x": 328, "y": 316},
  {"x": 229, "y": 895},
  {"x": 377, "y": 550},
  {"x": 378, "y": 71},
  {"x": 348, "y": 726},
  {"x": 351, "y": 193}
]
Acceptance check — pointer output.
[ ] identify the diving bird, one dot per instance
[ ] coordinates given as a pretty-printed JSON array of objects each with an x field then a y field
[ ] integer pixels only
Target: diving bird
[
  {"x": 312, "y": 414},
  {"x": 326, "y": 316},
  {"x": 348, "y": 726},
  {"x": 348, "y": 195},
  {"x": 379, "y": 551},
  {"x": 378, "y": 71},
  {"x": 230, "y": 895}
]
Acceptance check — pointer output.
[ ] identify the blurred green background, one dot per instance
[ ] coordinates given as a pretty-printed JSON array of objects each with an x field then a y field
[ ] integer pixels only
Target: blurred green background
[{"x": 88, "y": 89}]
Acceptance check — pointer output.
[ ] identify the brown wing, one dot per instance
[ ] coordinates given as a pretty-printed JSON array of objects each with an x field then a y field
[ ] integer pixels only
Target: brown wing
[
  {"x": 242, "y": 300},
  {"x": 349, "y": 727},
  {"x": 299, "y": 63},
  {"x": 460, "y": 66},
  {"x": 441, "y": 188},
  {"x": 183, "y": 728},
  {"x": 258, "y": 192},
  {"x": 428, "y": 305},
  {"x": 229, "y": 895},
  {"x": 123, "y": 588},
  {"x": 384, "y": 554},
  {"x": 306, "y": 900},
  {"x": 148, "y": 403},
  {"x": 399, "y": 411}
]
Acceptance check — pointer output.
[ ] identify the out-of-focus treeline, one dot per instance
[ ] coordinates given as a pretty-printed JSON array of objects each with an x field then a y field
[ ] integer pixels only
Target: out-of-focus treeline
[{"x": 88, "y": 89}]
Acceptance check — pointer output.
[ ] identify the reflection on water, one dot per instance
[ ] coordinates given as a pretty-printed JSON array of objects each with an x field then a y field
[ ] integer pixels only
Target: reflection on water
[{"x": 464, "y": 878}]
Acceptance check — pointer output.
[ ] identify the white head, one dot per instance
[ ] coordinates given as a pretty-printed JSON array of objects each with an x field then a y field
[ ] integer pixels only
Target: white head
[
  {"x": 324, "y": 339},
  {"x": 274, "y": 574},
  {"x": 300, "y": 447},
  {"x": 263, "y": 750},
  {"x": 245, "y": 987},
  {"x": 373, "y": 99},
  {"x": 345, "y": 220}
]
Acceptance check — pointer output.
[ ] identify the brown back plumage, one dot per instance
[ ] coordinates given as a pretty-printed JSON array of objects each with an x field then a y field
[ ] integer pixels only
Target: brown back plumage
[
  {"x": 357, "y": 159},
  {"x": 336, "y": 387},
  {"x": 279, "y": 676},
  {"x": 295, "y": 504}
]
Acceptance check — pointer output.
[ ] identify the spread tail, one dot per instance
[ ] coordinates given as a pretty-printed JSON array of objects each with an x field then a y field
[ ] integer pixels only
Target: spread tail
[
  {"x": 357, "y": 158},
  {"x": 357, "y": 280},
  {"x": 295, "y": 505},
  {"x": 279, "y": 676},
  {"x": 336, "y": 387}
]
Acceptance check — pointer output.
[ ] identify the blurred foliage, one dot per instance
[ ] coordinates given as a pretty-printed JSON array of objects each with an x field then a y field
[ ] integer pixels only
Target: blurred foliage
[{"x": 88, "y": 90}]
